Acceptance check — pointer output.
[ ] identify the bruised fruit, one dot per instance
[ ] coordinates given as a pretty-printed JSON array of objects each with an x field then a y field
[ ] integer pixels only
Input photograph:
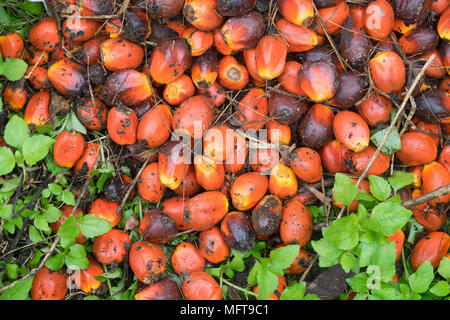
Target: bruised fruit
[
  {"x": 122, "y": 124},
  {"x": 67, "y": 77},
  {"x": 157, "y": 226},
  {"x": 44, "y": 35},
  {"x": 232, "y": 75},
  {"x": 49, "y": 285},
  {"x": 161, "y": 290},
  {"x": 147, "y": 261},
  {"x": 111, "y": 247},
  {"x": 237, "y": 231},
  {"x": 296, "y": 224},
  {"x": 212, "y": 246},
  {"x": 86, "y": 163},
  {"x": 266, "y": 216},
  {"x": 316, "y": 127},
  {"x": 285, "y": 108}
]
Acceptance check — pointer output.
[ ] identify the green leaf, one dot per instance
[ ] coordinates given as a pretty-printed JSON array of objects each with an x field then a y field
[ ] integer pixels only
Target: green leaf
[
  {"x": 76, "y": 258},
  {"x": 32, "y": 7},
  {"x": 56, "y": 262},
  {"x": 16, "y": 131},
  {"x": 387, "y": 292},
  {"x": 52, "y": 214},
  {"x": 40, "y": 222},
  {"x": 34, "y": 234},
  {"x": 328, "y": 253},
  {"x": 109, "y": 275},
  {"x": 401, "y": 179},
  {"x": 91, "y": 298},
  {"x": 392, "y": 143},
  {"x": 13, "y": 69},
  {"x": 267, "y": 283},
  {"x": 359, "y": 282},
  {"x": 284, "y": 256},
  {"x": 420, "y": 280},
  {"x": 10, "y": 184},
  {"x": 12, "y": 271},
  {"x": 252, "y": 275},
  {"x": 441, "y": 289},
  {"x": 54, "y": 168},
  {"x": 444, "y": 268},
  {"x": 344, "y": 190},
  {"x": 343, "y": 233},
  {"x": 69, "y": 229},
  {"x": 390, "y": 216},
  {"x": 347, "y": 261},
  {"x": 379, "y": 255},
  {"x": 19, "y": 291},
  {"x": 7, "y": 161},
  {"x": 237, "y": 263},
  {"x": 35, "y": 148},
  {"x": 295, "y": 291},
  {"x": 379, "y": 187},
  {"x": 55, "y": 188},
  {"x": 92, "y": 226},
  {"x": 68, "y": 198},
  {"x": 75, "y": 124}
]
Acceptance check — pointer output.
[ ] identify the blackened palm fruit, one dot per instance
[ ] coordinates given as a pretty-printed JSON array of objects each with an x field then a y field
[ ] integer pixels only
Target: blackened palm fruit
[
  {"x": 412, "y": 11},
  {"x": 233, "y": 8},
  {"x": 354, "y": 45}
]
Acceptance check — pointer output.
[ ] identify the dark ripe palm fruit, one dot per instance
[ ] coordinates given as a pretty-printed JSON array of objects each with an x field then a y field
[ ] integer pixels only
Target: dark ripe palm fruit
[
  {"x": 316, "y": 127},
  {"x": 436, "y": 69},
  {"x": 149, "y": 185},
  {"x": 233, "y": 8},
  {"x": 85, "y": 278},
  {"x": 332, "y": 17},
  {"x": 116, "y": 187},
  {"x": 334, "y": 156},
  {"x": 237, "y": 231},
  {"x": 250, "y": 63},
  {"x": 200, "y": 285},
  {"x": 288, "y": 79},
  {"x": 299, "y": 12},
  {"x": 354, "y": 45},
  {"x": 218, "y": 143},
  {"x": 359, "y": 161},
  {"x": 194, "y": 116},
  {"x": 299, "y": 38},
  {"x": 434, "y": 176},
  {"x": 33, "y": 56},
  {"x": 379, "y": 19},
  {"x": 155, "y": 126},
  {"x": 91, "y": 113},
  {"x": 157, "y": 226},
  {"x": 318, "y": 80},
  {"x": 443, "y": 27},
  {"x": 432, "y": 247},
  {"x": 216, "y": 92},
  {"x": 68, "y": 77},
  {"x": 172, "y": 164},
  {"x": 97, "y": 74},
  {"x": 417, "y": 148},
  {"x": 306, "y": 164},
  {"x": 375, "y": 110},
  {"x": 49, "y": 285},
  {"x": 243, "y": 32},
  {"x": 282, "y": 181},
  {"x": 38, "y": 77},
  {"x": 412, "y": 11},
  {"x": 44, "y": 34},
  {"x": 122, "y": 124},
  {"x": 162, "y": 8},
  {"x": 427, "y": 127},
  {"x": 179, "y": 90},
  {"x": 433, "y": 106},
  {"x": 169, "y": 60},
  {"x": 174, "y": 208},
  {"x": 171, "y": 30},
  {"x": 66, "y": 211},
  {"x": 11, "y": 46},
  {"x": 320, "y": 4},
  {"x": 205, "y": 70},
  {"x": 429, "y": 217},
  {"x": 80, "y": 30},
  {"x": 136, "y": 25},
  {"x": 205, "y": 210},
  {"x": 68, "y": 148},
  {"x": 418, "y": 41},
  {"x": 95, "y": 7},
  {"x": 147, "y": 261},
  {"x": 279, "y": 133},
  {"x": 271, "y": 53},
  {"x": 212, "y": 247},
  {"x": 119, "y": 54},
  {"x": 266, "y": 216},
  {"x": 253, "y": 110},
  {"x": 85, "y": 164},
  {"x": 285, "y": 109},
  {"x": 351, "y": 130},
  {"x": 189, "y": 186},
  {"x": 352, "y": 88},
  {"x": 199, "y": 41},
  {"x": 248, "y": 189},
  {"x": 15, "y": 96},
  {"x": 107, "y": 210},
  {"x": 202, "y": 14},
  {"x": 187, "y": 259},
  {"x": 130, "y": 87},
  {"x": 232, "y": 74},
  {"x": 111, "y": 247},
  {"x": 322, "y": 52},
  {"x": 89, "y": 53},
  {"x": 388, "y": 71},
  {"x": 161, "y": 290},
  {"x": 296, "y": 224}
]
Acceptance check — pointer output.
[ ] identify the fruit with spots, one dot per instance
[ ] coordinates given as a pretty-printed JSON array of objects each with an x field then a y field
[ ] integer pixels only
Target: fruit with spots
[
  {"x": 306, "y": 164},
  {"x": 316, "y": 127},
  {"x": 334, "y": 157},
  {"x": 253, "y": 109},
  {"x": 11, "y": 46},
  {"x": 147, "y": 261},
  {"x": 351, "y": 130},
  {"x": 91, "y": 113},
  {"x": 107, "y": 210},
  {"x": 187, "y": 259},
  {"x": 237, "y": 231},
  {"x": 232, "y": 75},
  {"x": 161, "y": 290},
  {"x": 119, "y": 54},
  {"x": 296, "y": 224},
  {"x": 417, "y": 148},
  {"x": 158, "y": 227},
  {"x": 359, "y": 161},
  {"x": 49, "y": 285},
  {"x": 44, "y": 34},
  {"x": 68, "y": 77},
  {"x": 85, "y": 164},
  {"x": 122, "y": 124},
  {"x": 375, "y": 110},
  {"x": 111, "y": 247},
  {"x": 212, "y": 246},
  {"x": 205, "y": 70},
  {"x": 266, "y": 216},
  {"x": 248, "y": 189},
  {"x": 194, "y": 116},
  {"x": 154, "y": 128},
  {"x": 282, "y": 181},
  {"x": 285, "y": 108},
  {"x": 205, "y": 210},
  {"x": 80, "y": 30},
  {"x": 432, "y": 247},
  {"x": 149, "y": 185},
  {"x": 200, "y": 285}
]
